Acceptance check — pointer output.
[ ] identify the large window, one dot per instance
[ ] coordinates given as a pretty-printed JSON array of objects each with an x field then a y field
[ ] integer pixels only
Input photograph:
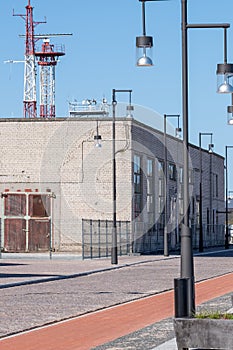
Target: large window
[{"x": 137, "y": 179}]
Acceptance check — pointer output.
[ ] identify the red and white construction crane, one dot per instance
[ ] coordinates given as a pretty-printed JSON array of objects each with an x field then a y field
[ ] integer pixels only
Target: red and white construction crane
[{"x": 29, "y": 99}]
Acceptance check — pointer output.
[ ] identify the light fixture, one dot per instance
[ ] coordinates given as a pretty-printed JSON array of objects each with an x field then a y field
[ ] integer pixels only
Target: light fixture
[
  {"x": 211, "y": 147},
  {"x": 178, "y": 132},
  {"x": 230, "y": 115},
  {"x": 225, "y": 70},
  {"x": 144, "y": 44},
  {"x": 97, "y": 137},
  {"x": 230, "y": 112},
  {"x": 129, "y": 108},
  {"x": 224, "y": 77}
]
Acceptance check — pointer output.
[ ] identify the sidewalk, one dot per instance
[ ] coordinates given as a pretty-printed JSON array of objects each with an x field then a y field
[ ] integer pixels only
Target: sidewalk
[
  {"x": 143, "y": 283},
  {"x": 22, "y": 269}
]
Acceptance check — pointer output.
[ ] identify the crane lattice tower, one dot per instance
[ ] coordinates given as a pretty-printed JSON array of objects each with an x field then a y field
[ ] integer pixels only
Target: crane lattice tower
[
  {"x": 47, "y": 61},
  {"x": 29, "y": 99}
]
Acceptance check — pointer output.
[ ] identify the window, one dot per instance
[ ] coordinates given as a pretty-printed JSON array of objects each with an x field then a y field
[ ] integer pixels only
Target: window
[
  {"x": 39, "y": 205},
  {"x": 198, "y": 211},
  {"x": 15, "y": 205},
  {"x": 181, "y": 200},
  {"x": 150, "y": 166},
  {"x": 172, "y": 171},
  {"x": 181, "y": 175},
  {"x": 161, "y": 187},
  {"x": 137, "y": 179},
  {"x": 215, "y": 185},
  {"x": 150, "y": 191},
  {"x": 190, "y": 176},
  {"x": 160, "y": 169}
]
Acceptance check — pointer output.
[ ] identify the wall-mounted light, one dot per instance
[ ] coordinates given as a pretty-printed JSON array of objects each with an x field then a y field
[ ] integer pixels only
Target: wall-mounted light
[{"x": 97, "y": 137}]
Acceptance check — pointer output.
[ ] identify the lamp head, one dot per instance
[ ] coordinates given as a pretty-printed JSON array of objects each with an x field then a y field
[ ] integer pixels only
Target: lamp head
[
  {"x": 144, "y": 44},
  {"x": 178, "y": 132},
  {"x": 230, "y": 115},
  {"x": 129, "y": 110},
  {"x": 211, "y": 147},
  {"x": 97, "y": 138},
  {"x": 224, "y": 75}
]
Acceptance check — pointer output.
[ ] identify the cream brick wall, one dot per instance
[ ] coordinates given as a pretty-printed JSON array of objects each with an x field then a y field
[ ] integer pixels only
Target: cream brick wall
[{"x": 60, "y": 156}]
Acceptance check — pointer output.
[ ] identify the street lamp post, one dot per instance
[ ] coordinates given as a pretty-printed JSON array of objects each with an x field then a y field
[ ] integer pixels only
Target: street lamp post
[
  {"x": 178, "y": 130},
  {"x": 226, "y": 199},
  {"x": 224, "y": 70},
  {"x": 114, "y": 254},
  {"x": 200, "y": 186}
]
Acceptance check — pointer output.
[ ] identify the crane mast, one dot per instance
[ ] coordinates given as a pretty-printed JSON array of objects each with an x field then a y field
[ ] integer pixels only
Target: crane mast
[
  {"x": 47, "y": 61},
  {"x": 29, "y": 99}
]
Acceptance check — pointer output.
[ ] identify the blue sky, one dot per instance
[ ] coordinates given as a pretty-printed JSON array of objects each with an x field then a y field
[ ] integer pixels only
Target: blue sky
[{"x": 100, "y": 56}]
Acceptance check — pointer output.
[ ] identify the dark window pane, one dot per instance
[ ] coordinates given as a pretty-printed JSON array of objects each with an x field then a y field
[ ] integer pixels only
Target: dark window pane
[{"x": 39, "y": 205}]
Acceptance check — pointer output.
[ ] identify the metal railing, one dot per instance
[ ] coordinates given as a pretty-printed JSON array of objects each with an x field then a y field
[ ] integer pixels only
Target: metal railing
[
  {"x": 97, "y": 238},
  {"x": 213, "y": 235},
  {"x": 151, "y": 241}
]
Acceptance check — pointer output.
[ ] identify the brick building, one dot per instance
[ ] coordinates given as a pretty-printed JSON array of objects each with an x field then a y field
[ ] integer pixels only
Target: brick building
[{"x": 56, "y": 186}]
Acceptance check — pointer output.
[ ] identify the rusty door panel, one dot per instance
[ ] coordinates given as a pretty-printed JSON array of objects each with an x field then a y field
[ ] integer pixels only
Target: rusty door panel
[
  {"x": 15, "y": 205},
  {"x": 39, "y": 235},
  {"x": 15, "y": 235}
]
